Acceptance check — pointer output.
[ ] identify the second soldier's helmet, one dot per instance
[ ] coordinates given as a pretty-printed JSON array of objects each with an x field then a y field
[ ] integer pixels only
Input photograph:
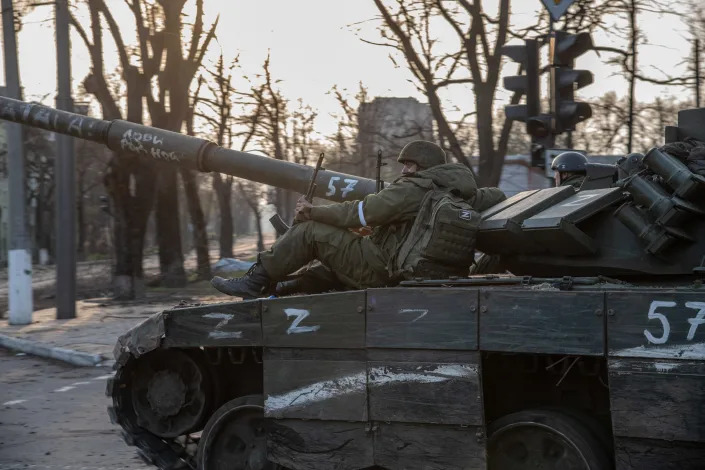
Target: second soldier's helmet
[
  {"x": 573, "y": 162},
  {"x": 425, "y": 154}
]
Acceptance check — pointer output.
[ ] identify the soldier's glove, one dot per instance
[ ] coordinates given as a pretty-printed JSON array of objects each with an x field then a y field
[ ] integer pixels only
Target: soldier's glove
[
  {"x": 303, "y": 210},
  {"x": 303, "y": 215}
]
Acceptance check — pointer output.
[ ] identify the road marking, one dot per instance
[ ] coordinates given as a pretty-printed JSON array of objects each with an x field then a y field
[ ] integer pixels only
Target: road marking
[
  {"x": 64, "y": 389},
  {"x": 103, "y": 377},
  {"x": 80, "y": 383},
  {"x": 13, "y": 402}
]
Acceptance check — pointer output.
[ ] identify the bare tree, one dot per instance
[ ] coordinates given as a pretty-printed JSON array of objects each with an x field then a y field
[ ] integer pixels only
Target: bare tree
[
  {"x": 266, "y": 103},
  {"x": 91, "y": 163},
  {"x": 609, "y": 18},
  {"x": 198, "y": 220},
  {"x": 216, "y": 111},
  {"x": 347, "y": 156},
  {"x": 407, "y": 27},
  {"x": 696, "y": 26},
  {"x": 155, "y": 72},
  {"x": 604, "y": 132},
  {"x": 301, "y": 129}
]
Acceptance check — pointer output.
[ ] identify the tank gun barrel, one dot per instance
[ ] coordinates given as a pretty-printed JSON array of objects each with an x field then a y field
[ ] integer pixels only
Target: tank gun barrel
[{"x": 187, "y": 151}]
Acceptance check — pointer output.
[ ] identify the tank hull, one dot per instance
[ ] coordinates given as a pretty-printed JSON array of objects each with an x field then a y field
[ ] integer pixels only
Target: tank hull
[{"x": 415, "y": 376}]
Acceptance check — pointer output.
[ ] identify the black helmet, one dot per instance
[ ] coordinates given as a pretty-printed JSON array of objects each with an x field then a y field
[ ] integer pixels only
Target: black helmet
[
  {"x": 425, "y": 154},
  {"x": 573, "y": 162}
]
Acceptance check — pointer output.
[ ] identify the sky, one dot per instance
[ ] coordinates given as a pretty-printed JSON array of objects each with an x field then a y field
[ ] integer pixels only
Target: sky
[{"x": 313, "y": 47}]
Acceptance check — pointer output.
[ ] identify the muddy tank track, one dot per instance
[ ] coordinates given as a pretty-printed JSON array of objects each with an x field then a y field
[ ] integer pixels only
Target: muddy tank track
[{"x": 166, "y": 454}]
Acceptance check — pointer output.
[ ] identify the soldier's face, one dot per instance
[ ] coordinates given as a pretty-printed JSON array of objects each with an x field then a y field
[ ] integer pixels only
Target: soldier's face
[
  {"x": 560, "y": 176},
  {"x": 408, "y": 168}
]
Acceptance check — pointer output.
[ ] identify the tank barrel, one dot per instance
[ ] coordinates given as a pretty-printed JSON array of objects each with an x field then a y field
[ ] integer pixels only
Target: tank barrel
[{"x": 188, "y": 151}]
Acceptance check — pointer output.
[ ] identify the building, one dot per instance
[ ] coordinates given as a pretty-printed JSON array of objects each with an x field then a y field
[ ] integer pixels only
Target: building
[
  {"x": 518, "y": 175},
  {"x": 387, "y": 124}
]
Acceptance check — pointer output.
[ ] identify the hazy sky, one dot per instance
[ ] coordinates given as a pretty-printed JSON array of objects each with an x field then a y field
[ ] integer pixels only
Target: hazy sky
[{"x": 313, "y": 48}]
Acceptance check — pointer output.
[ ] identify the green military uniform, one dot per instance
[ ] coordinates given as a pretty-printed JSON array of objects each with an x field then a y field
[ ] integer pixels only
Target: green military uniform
[
  {"x": 361, "y": 262},
  {"x": 574, "y": 180}
]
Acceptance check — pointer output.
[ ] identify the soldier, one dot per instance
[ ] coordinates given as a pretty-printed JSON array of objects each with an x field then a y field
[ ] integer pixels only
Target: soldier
[
  {"x": 570, "y": 169},
  {"x": 322, "y": 232}
]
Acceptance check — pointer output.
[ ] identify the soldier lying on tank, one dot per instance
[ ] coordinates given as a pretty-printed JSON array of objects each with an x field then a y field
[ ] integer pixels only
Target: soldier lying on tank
[
  {"x": 322, "y": 232},
  {"x": 570, "y": 169}
]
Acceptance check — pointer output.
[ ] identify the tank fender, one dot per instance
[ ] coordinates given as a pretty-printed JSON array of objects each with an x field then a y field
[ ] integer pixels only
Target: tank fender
[{"x": 140, "y": 339}]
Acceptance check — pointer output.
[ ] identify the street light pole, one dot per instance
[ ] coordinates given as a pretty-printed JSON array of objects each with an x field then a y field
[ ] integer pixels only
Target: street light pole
[
  {"x": 20, "y": 260},
  {"x": 65, "y": 177}
]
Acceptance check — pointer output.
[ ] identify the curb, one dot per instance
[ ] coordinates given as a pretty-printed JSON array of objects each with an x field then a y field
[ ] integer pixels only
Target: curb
[{"x": 76, "y": 358}]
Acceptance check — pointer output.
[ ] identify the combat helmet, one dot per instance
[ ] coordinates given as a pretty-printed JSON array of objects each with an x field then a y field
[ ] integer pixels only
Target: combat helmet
[
  {"x": 425, "y": 154},
  {"x": 572, "y": 162}
]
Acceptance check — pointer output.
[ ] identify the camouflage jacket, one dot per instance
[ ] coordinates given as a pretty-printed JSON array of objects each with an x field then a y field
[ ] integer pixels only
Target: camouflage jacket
[{"x": 392, "y": 211}]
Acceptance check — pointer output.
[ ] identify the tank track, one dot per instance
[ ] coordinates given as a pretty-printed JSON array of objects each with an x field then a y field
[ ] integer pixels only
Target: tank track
[{"x": 166, "y": 454}]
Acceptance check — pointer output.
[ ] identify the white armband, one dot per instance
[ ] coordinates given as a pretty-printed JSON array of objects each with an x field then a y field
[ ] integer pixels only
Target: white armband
[{"x": 360, "y": 214}]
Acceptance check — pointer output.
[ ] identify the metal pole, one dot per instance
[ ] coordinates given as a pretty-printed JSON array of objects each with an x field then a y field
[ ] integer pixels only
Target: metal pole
[
  {"x": 697, "y": 73},
  {"x": 65, "y": 178},
  {"x": 20, "y": 261}
]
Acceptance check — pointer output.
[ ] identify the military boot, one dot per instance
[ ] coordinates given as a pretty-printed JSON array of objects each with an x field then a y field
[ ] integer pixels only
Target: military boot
[{"x": 255, "y": 283}]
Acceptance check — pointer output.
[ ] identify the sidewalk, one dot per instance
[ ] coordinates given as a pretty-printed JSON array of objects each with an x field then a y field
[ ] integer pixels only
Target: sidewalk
[{"x": 88, "y": 339}]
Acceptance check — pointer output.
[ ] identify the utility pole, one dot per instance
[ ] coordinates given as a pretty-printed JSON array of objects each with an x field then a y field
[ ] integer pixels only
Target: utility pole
[
  {"x": 697, "y": 73},
  {"x": 65, "y": 178},
  {"x": 20, "y": 260}
]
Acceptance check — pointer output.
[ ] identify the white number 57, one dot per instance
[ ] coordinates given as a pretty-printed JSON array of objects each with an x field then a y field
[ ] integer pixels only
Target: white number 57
[{"x": 653, "y": 314}]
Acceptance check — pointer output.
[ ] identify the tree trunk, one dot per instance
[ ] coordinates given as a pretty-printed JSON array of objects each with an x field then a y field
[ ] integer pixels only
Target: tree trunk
[
  {"x": 200, "y": 235},
  {"x": 130, "y": 186},
  {"x": 633, "y": 37},
  {"x": 171, "y": 258},
  {"x": 489, "y": 171},
  {"x": 223, "y": 191},
  {"x": 81, "y": 220},
  {"x": 258, "y": 221}
]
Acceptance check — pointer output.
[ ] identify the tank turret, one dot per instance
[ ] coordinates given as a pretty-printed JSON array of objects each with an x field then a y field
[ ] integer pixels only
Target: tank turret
[{"x": 649, "y": 223}]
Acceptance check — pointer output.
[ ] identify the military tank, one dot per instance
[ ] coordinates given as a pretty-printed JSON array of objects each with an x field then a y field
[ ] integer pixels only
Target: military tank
[{"x": 590, "y": 355}]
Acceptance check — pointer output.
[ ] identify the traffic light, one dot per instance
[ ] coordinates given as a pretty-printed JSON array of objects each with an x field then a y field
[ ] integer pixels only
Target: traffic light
[
  {"x": 528, "y": 84},
  {"x": 564, "y": 49}
]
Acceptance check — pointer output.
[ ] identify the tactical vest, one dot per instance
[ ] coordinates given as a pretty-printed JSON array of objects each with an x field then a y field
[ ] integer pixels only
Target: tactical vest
[{"x": 440, "y": 242}]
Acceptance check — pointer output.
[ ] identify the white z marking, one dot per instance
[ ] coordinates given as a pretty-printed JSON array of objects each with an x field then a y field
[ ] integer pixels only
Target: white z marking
[
  {"x": 224, "y": 319},
  {"x": 300, "y": 315},
  {"x": 659, "y": 316},
  {"x": 420, "y": 311},
  {"x": 698, "y": 320},
  {"x": 580, "y": 199}
]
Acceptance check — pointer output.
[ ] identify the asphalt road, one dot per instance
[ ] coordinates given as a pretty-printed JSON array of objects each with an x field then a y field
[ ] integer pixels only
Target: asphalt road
[{"x": 53, "y": 417}]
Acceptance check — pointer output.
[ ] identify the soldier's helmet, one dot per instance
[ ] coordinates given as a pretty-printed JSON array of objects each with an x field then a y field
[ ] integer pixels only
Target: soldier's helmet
[
  {"x": 425, "y": 154},
  {"x": 572, "y": 162}
]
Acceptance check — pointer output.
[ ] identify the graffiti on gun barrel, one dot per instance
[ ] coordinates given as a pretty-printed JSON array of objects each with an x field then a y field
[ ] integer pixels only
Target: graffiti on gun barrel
[
  {"x": 350, "y": 185},
  {"x": 133, "y": 141}
]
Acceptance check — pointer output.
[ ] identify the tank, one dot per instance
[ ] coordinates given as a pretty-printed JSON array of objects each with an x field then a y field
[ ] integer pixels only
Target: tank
[{"x": 590, "y": 355}]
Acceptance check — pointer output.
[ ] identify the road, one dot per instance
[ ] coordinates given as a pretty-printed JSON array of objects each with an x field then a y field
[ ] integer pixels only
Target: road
[{"x": 53, "y": 417}]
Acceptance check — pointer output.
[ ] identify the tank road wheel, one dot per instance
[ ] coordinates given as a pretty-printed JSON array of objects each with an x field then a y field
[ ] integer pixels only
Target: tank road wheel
[
  {"x": 234, "y": 437},
  {"x": 171, "y": 392},
  {"x": 543, "y": 439}
]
